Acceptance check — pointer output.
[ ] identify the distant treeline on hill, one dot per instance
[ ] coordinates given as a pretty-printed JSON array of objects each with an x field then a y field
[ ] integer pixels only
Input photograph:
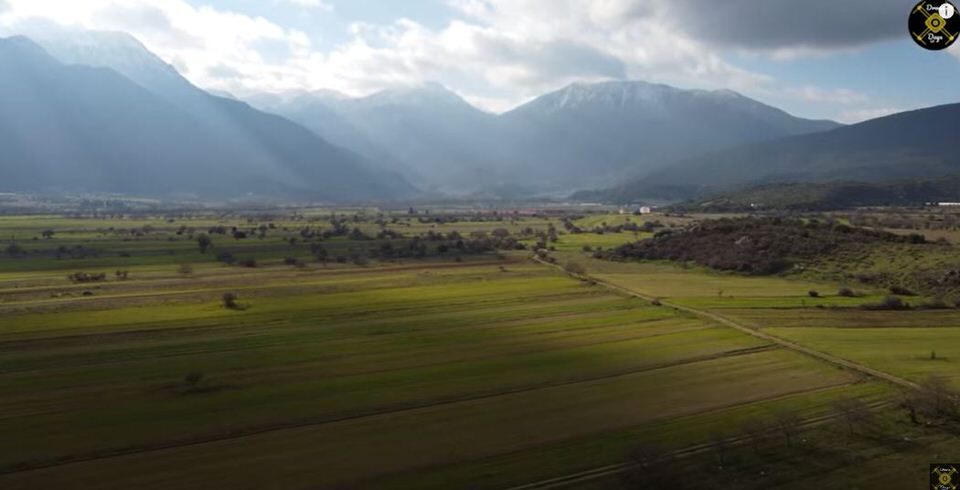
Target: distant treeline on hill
[
  {"x": 754, "y": 245},
  {"x": 822, "y": 196}
]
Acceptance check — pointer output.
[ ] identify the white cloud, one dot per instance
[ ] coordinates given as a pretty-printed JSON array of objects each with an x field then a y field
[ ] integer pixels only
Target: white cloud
[
  {"x": 502, "y": 52},
  {"x": 312, "y": 4},
  {"x": 197, "y": 40},
  {"x": 860, "y": 115},
  {"x": 497, "y": 53}
]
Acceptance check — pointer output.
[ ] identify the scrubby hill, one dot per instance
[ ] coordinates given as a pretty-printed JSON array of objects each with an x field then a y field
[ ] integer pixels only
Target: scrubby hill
[
  {"x": 755, "y": 245},
  {"x": 821, "y": 196}
]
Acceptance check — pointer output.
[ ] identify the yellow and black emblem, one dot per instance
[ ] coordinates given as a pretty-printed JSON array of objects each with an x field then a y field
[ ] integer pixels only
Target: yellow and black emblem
[
  {"x": 944, "y": 476},
  {"x": 934, "y": 24}
]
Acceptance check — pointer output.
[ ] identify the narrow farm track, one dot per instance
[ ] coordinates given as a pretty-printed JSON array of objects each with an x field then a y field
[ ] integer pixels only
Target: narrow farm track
[
  {"x": 837, "y": 361},
  {"x": 615, "y": 469}
]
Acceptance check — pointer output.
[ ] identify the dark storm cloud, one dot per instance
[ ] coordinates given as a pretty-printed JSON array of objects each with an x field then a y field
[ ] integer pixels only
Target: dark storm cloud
[{"x": 779, "y": 24}]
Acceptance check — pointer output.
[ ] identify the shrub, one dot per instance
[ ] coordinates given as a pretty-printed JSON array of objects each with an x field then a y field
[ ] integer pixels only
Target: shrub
[
  {"x": 83, "y": 277},
  {"x": 230, "y": 301},
  {"x": 847, "y": 293},
  {"x": 204, "y": 242},
  {"x": 888, "y": 303},
  {"x": 935, "y": 304},
  {"x": 752, "y": 245},
  {"x": 193, "y": 378},
  {"x": 15, "y": 250},
  {"x": 901, "y": 291},
  {"x": 575, "y": 268}
]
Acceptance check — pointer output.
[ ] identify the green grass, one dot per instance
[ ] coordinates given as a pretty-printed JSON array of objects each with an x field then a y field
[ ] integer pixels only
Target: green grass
[
  {"x": 575, "y": 242},
  {"x": 580, "y": 454},
  {"x": 452, "y": 432},
  {"x": 905, "y": 352},
  {"x": 672, "y": 281},
  {"x": 485, "y": 372}
]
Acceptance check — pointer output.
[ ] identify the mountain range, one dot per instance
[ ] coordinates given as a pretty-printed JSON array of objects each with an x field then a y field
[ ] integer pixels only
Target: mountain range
[
  {"x": 108, "y": 116},
  {"x": 832, "y": 195},
  {"x": 84, "y": 111},
  {"x": 912, "y": 144},
  {"x": 583, "y": 134}
]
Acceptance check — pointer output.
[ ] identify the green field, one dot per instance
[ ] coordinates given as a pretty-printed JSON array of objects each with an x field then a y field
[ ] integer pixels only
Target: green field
[
  {"x": 904, "y": 351},
  {"x": 449, "y": 370}
]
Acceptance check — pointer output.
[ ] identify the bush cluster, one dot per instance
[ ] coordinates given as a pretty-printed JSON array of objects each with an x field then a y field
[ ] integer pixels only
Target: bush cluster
[{"x": 751, "y": 245}]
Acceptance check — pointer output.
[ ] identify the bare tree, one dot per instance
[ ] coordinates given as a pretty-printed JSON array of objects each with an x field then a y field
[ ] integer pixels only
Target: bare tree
[
  {"x": 648, "y": 467},
  {"x": 757, "y": 432},
  {"x": 910, "y": 400},
  {"x": 230, "y": 301},
  {"x": 853, "y": 412},
  {"x": 204, "y": 242},
  {"x": 789, "y": 424},
  {"x": 720, "y": 447},
  {"x": 193, "y": 378},
  {"x": 939, "y": 398}
]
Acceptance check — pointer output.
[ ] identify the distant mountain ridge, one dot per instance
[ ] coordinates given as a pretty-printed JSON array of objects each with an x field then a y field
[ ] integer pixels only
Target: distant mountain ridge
[
  {"x": 608, "y": 130},
  {"x": 425, "y": 131},
  {"x": 584, "y": 135},
  {"x": 84, "y": 127},
  {"x": 581, "y": 135},
  {"x": 912, "y": 144},
  {"x": 633, "y": 140},
  {"x": 823, "y": 196}
]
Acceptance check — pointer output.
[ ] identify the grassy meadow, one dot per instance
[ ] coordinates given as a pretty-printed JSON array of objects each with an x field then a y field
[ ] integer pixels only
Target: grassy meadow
[{"x": 400, "y": 358}]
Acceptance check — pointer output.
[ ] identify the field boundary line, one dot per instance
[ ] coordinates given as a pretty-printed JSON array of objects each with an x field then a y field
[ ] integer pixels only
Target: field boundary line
[
  {"x": 823, "y": 356},
  {"x": 613, "y": 469},
  {"x": 310, "y": 280}
]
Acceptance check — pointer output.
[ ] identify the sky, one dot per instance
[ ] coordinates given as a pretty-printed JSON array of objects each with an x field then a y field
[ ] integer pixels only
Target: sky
[{"x": 847, "y": 60}]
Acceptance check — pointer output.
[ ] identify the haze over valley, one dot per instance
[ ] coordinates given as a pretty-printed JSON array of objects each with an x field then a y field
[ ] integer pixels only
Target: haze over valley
[
  {"x": 124, "y": 121},
  {"x": 479, "y": 244}
]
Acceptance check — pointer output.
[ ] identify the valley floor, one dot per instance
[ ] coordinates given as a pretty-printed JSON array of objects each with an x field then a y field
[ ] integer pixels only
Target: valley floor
[{"x": 476, "y": 371}]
